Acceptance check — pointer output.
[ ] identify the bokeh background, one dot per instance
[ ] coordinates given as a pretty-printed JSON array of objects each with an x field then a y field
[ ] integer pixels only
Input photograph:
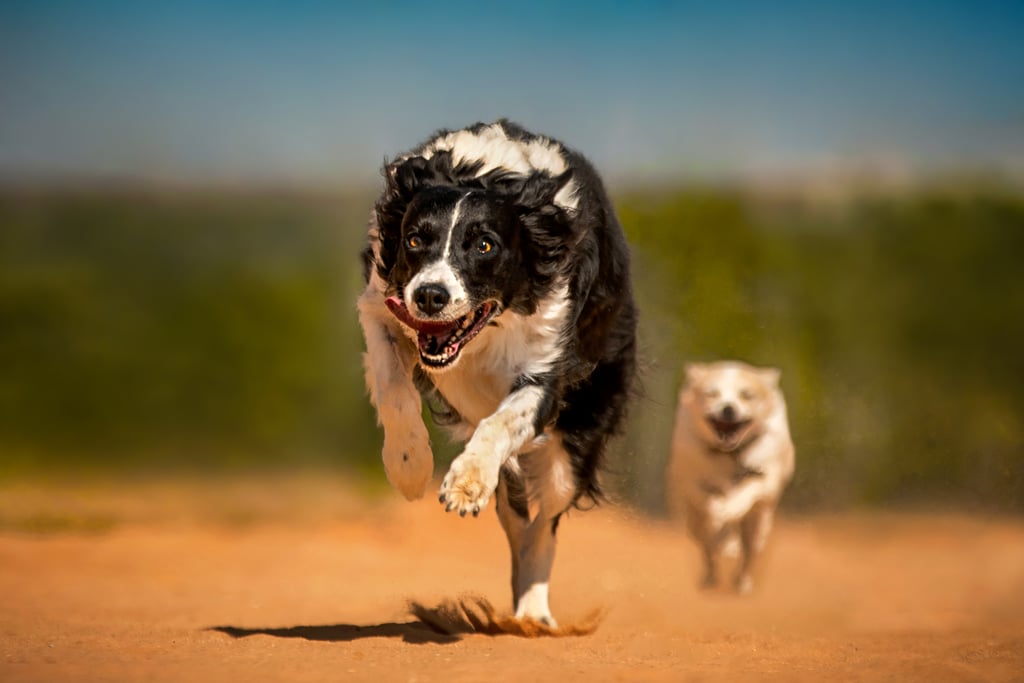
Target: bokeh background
[{"x": 837, "y": 191}]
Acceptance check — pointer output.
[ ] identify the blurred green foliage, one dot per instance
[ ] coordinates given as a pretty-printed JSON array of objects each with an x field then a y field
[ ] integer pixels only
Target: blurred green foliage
[
  {"x": 154, "y": 330},
  {"x": 214, "y": 330}
]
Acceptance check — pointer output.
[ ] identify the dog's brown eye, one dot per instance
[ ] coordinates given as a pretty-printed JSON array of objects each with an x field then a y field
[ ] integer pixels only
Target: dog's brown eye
[
  {"x": 747, "y": 394},
  {"x": 414, "y": 241},
  {"x": 712, "y": 393},
  {"x": 484, "y": 245}
]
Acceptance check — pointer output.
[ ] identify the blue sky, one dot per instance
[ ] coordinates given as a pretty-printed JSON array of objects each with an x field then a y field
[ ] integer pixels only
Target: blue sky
[{"x": 321, "y": 92}]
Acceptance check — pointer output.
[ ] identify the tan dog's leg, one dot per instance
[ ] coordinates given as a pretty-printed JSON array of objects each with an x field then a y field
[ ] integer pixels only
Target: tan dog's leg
[
  {"x": 700, "y": 527},
  {"x": 754, "y": 528}
]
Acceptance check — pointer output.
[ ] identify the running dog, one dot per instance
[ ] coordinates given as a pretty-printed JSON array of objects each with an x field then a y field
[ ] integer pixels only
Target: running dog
[
  {"x": 732, "y": 456},
  {"x": 498, "y": 291}
]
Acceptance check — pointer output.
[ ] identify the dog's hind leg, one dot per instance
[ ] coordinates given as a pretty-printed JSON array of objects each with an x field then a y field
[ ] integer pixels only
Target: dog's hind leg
[
  {"x": 552, "y": 487},
  {"x": 514, "y": 514}
]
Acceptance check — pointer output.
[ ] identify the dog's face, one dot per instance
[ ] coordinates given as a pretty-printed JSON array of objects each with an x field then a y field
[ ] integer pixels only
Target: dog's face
[
  {"x": 458, "y": 264},
  {"x": 730, "y": 401}
]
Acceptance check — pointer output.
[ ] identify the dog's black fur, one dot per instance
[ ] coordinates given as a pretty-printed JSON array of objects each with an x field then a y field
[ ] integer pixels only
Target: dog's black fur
[{"x": 528, "y": 238}]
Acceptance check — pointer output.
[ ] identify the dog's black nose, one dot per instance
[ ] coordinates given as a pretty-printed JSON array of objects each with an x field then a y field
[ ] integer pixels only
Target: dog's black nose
[
  {"x": 431, "y": 298},
  {"x": 728, "y": 412}
]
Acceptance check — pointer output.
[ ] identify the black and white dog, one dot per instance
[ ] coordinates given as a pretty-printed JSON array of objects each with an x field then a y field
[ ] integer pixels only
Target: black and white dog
[{"x": 498, "y": 290}]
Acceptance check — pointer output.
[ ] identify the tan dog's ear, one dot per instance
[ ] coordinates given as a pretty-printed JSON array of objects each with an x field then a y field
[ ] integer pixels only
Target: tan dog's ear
[
  {"x": 770, "y": 376},
  {"x": 695, "y": 372}
]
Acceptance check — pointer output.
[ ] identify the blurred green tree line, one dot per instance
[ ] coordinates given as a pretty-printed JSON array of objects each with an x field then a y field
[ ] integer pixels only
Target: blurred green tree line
[
  {"x": 147, "y": 329},
  {"x": 160, "y": 330}
]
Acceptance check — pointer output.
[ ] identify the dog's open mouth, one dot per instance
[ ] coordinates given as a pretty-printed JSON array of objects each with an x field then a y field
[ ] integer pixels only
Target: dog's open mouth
[
  {"x": 728, "y": 431},
  {"x": 440, "y": 341}
]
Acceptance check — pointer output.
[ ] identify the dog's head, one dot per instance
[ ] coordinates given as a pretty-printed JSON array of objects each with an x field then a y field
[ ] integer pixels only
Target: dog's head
[
  {"x": 730, "y": 401},
  {"x": 455, "y": 252}
]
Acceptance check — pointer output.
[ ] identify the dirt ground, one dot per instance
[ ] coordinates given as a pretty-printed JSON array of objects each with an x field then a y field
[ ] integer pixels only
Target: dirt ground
[{"x": 303, "y": 579}]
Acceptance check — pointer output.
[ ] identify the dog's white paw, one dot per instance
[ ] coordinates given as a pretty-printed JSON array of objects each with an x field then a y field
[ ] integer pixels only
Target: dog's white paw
[
  {"x": 469, "y": 484},
  {"x": 744, "y": 584},
  {"x": 408, "y": 462},
  {"x": 544, "y": 618},
  {"x": 533, "y": 605}
]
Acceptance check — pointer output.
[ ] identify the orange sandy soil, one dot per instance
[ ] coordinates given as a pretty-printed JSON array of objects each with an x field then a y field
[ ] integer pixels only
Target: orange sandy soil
[{"x": 304, "y": 579}]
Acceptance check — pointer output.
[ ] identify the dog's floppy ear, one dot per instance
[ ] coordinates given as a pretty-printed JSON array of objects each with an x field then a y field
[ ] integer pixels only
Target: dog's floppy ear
[
  {"x": 405, "y": 177},
  {"x": 548, "y": 227},
  {"x": 539, "y": 189}
]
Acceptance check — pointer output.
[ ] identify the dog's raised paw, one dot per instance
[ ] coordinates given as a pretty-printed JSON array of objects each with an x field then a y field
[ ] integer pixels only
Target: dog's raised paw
[{"x": 468, "y": 486}]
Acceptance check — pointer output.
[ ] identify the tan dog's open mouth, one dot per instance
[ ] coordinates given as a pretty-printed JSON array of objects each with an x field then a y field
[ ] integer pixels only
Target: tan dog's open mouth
[{"x": 729, "y": 432}]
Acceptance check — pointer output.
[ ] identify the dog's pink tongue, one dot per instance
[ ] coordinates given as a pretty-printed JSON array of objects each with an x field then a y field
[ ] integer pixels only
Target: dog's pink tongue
[{"x": 400, "y": 311}]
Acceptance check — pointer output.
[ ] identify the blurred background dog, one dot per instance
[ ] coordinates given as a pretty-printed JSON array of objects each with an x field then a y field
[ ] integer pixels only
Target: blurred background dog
[{"x": 732, "y": 456}]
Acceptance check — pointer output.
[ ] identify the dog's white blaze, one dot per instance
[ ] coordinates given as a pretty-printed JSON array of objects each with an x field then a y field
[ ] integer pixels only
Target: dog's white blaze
[
  {"x": 440, "y": 272},
  {"x": 456, "y": 213},
  {"x": 494, "y": 150}
]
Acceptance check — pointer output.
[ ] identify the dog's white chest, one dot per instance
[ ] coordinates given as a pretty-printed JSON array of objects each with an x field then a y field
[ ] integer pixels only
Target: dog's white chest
[
  {"x": 502, "y": 353},
  {"x": 472, "y": 393}
]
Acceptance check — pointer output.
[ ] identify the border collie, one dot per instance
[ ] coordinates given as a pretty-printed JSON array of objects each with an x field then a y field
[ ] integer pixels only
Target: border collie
[{"x": 498, "y": 291}]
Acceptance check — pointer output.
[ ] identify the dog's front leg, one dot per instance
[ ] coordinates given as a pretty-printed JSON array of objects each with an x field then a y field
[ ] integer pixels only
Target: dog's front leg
[
  {"x": 389, "y": 361},
  {"x": 754, "y": 530},
  {"x": 473, "y": 476}
]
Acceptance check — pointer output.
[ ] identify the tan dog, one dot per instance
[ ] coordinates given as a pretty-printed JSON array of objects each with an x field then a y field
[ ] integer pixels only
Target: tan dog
[{"x": 732, "y": 456}]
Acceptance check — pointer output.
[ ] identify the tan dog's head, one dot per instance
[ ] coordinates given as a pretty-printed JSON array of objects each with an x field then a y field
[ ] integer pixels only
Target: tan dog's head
[{"x": 729, "y": 401}]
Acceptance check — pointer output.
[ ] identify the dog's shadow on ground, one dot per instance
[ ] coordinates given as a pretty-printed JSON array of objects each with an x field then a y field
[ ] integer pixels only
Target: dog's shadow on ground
[
  {"x": 410, "y": 632},
  {"x": 447, "y": 622}
]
